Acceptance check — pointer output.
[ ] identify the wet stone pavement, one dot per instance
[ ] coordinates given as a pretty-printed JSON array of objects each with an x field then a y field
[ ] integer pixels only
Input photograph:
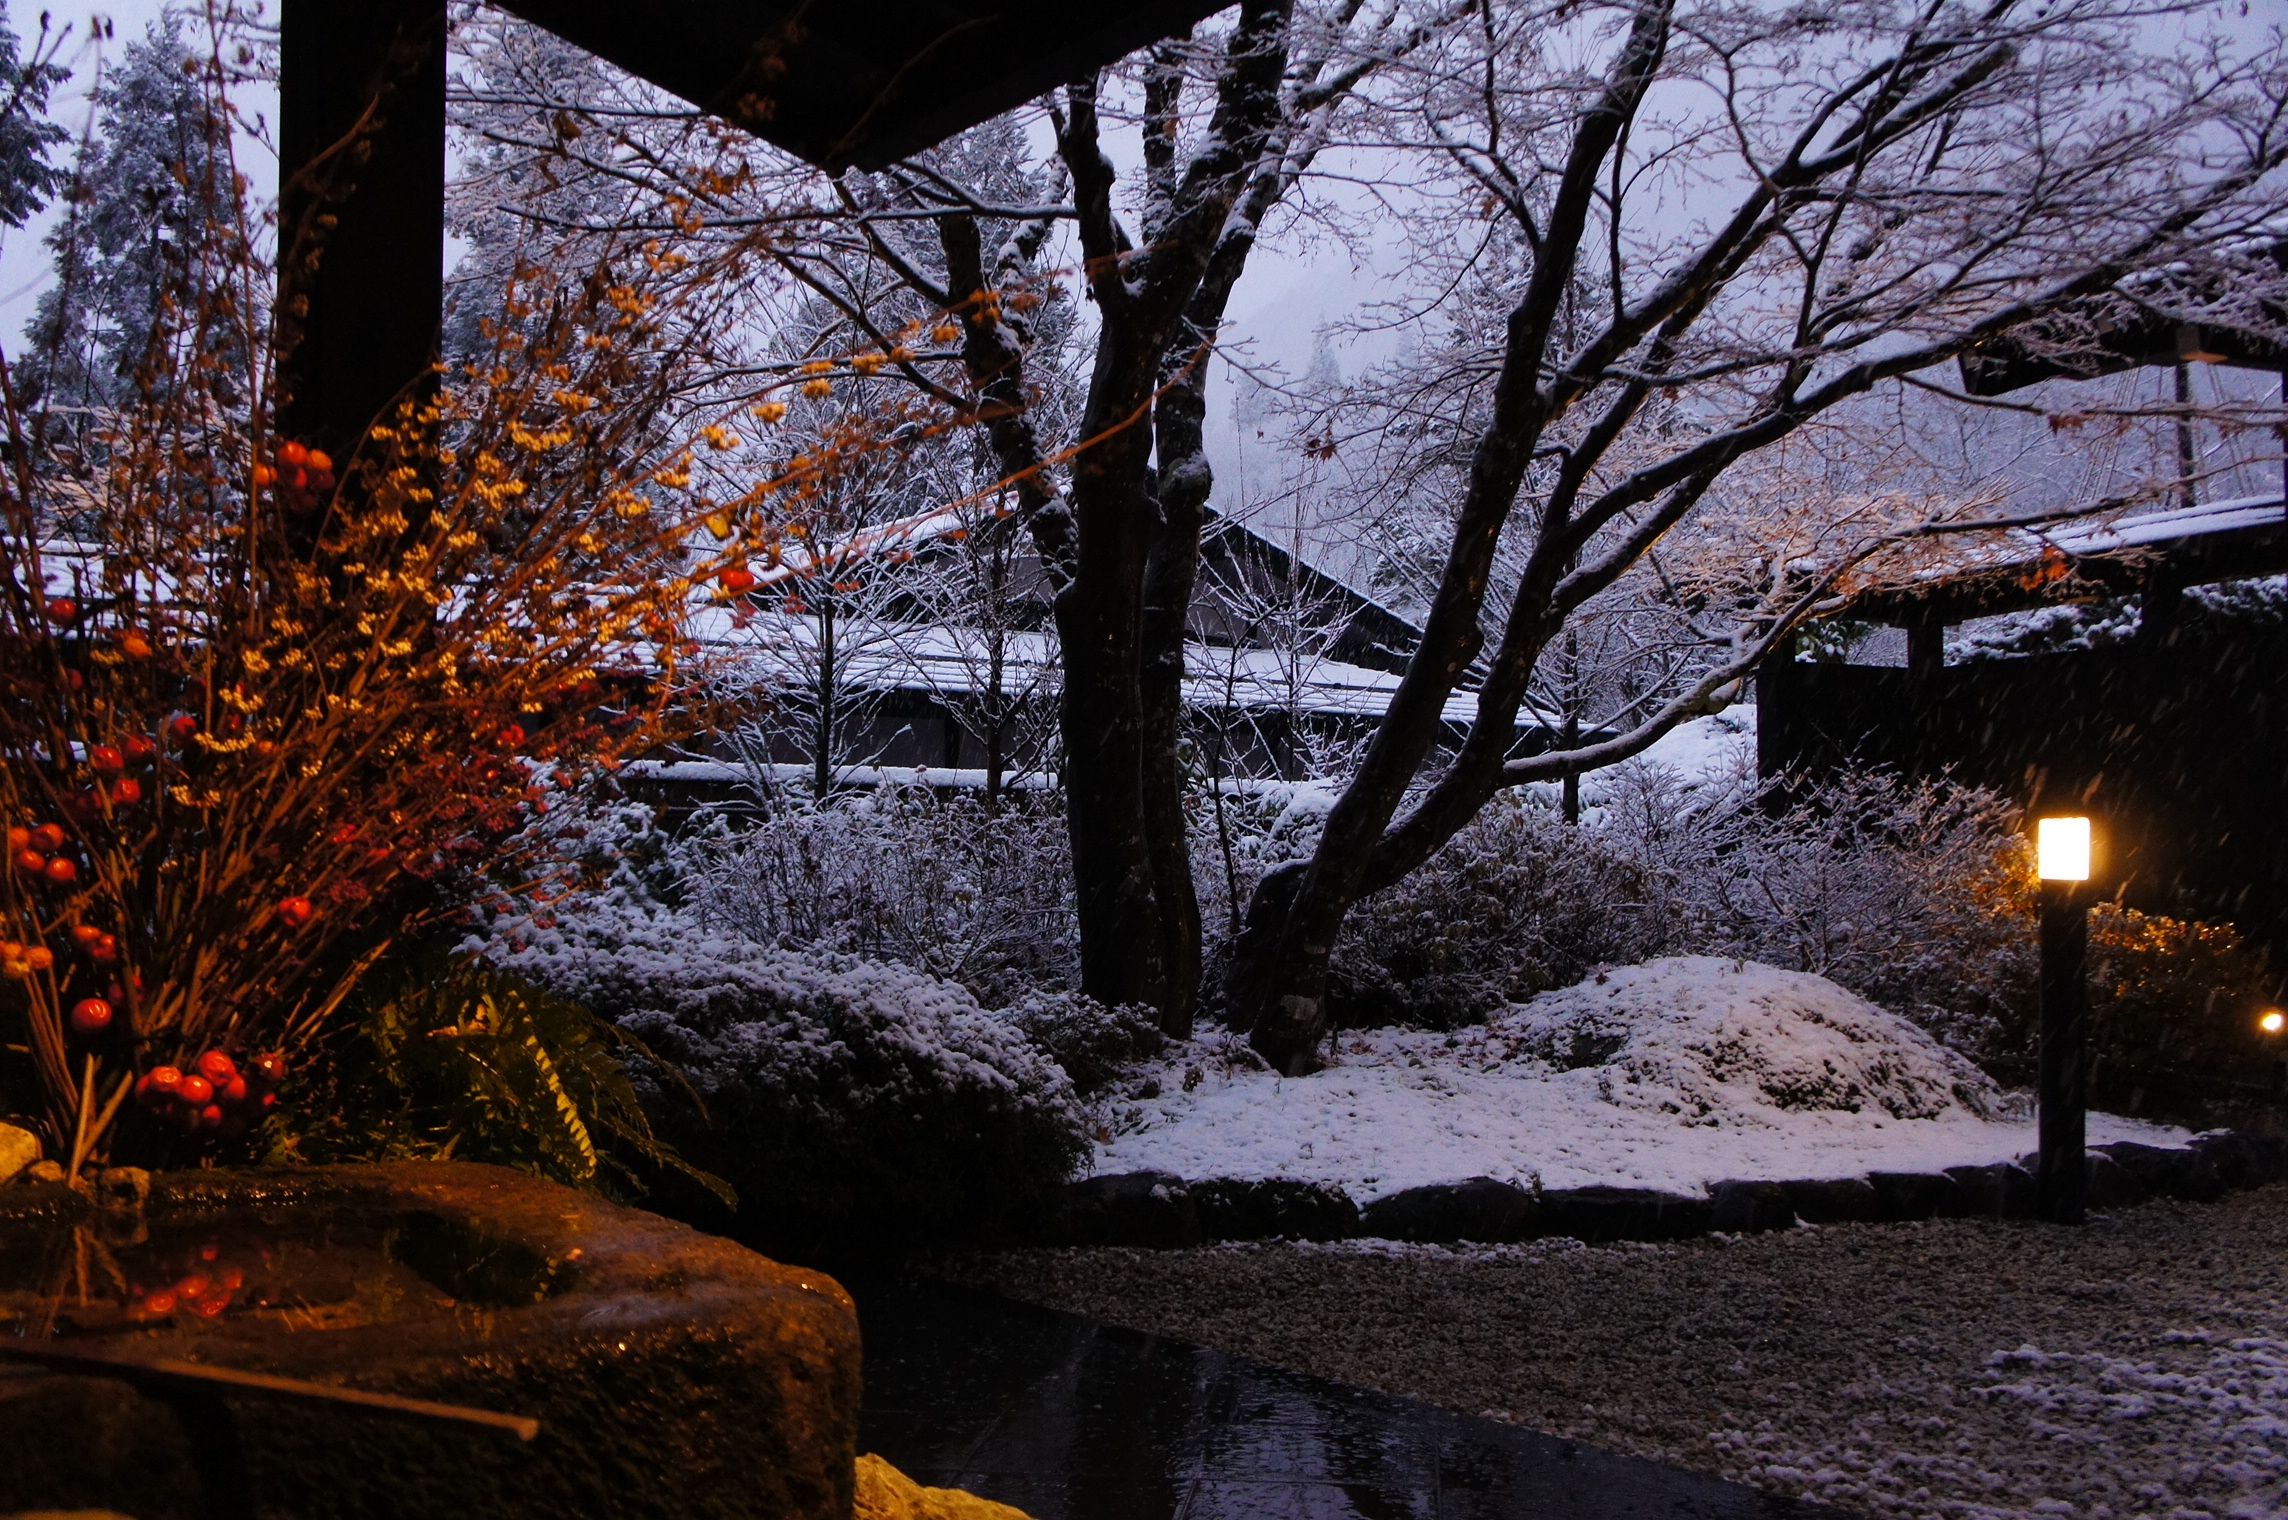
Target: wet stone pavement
[{"x": 1069, "y": 1419}]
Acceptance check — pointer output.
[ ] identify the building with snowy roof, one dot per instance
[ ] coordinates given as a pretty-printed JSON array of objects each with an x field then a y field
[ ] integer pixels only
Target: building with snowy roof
[
  {"x": 2132, "y": 668},
  {"x": 1286, "y": 666}
]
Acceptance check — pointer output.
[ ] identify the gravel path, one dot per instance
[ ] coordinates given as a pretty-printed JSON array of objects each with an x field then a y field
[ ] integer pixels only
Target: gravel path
[{"x": 1953, "y": 1368}]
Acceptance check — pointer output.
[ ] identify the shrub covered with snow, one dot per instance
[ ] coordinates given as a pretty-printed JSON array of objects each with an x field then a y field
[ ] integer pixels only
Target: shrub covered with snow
[
  {"x": 1704, "y": 1037},
  {"x": 1516, "y": 903},
  {"x": 839, "y": 1090},
  {"x": 975, "y": 893},
  {"x": 1093, "y": 1043},
  {"x": 1915, "y": 895},
  {"x": 2175, "y": 1001}
]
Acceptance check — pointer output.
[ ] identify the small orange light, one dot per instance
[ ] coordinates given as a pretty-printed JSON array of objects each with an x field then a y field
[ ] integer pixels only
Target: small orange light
[{"x": 2273, "y": 1021}]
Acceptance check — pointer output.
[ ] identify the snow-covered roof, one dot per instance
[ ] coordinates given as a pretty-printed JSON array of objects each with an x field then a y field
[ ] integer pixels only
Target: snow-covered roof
[
  {"x": 900, "y": 536},
  {"x": 2007, "y": 569},
  {"x": 1224, "y": 520},
  {"x": 2115, "y": 534},
  {"x": 951, "y": 660},
  {"x": 2178, "y": 522}
]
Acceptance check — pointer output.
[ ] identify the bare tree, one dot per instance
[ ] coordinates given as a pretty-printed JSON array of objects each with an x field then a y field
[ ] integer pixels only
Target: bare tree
[
  {"x": 971, "y": 632},
  {"x": 1777, "y": 213},
  {"x": 823, "y": 645},
  {"x": 1231, "y": 121},
  {"x": 1120, "y": 540},
  {"x": 1695, "y": 239}
]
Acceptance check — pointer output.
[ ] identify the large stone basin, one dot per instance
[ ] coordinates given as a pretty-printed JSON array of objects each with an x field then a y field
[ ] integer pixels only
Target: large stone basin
[{"x": 671, "y": 1373}]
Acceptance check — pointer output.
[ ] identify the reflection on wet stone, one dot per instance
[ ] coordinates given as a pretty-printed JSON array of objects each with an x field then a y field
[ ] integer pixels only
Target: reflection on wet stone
[
  {"x": 1071, "y": 1420},
  {"x": 431, "y": 1338}
]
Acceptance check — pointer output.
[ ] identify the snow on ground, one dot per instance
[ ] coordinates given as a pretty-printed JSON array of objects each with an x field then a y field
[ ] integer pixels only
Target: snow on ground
[
  {"x": 1676, "y": 1074},
  {"x": 1716, "y": 749},
  {"x": 1711, "y": 756}
]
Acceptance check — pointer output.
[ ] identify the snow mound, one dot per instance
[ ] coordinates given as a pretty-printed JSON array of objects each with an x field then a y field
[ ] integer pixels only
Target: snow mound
[
  {"x": 1712, "y": 1040},
  {"x": 1674, "y": 1075}
]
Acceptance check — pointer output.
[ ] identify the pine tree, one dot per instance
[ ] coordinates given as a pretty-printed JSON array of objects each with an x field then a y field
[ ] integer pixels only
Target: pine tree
[
  {"x": 27, "y": 179},
  {"x": 136, "y": 193}
]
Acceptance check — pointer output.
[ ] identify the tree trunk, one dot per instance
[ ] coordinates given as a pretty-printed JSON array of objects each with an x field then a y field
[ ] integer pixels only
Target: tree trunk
[
  {"x": 1122, "y": 562},
  {"x": 822, "y": 738},
  {"x": 1281, "y": 965},
  {"x": 1572, "y": 736},
  {"x": 1099, "y": 624},
  {"x": 1171, "y": 569},
  {"x": 1092, "y": 546},
  {"x": 996, "y": 721}
]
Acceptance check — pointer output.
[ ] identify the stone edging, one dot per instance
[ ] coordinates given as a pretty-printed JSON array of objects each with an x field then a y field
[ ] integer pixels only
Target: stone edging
[{"x": 1162, "y": 1210}]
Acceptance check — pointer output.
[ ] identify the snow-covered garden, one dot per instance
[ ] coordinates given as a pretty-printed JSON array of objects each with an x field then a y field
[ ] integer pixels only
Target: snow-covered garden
[
  {"x": 874, "y": 999},
  {"x": 1191, "y": 646},
  {"x": 1673, "y": 1075}
]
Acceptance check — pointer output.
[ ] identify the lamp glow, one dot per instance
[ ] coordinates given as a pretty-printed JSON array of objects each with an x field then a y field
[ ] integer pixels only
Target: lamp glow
[
  {"x": 2061, "y": 849},
  {"x": 2273, "y": 1021}
]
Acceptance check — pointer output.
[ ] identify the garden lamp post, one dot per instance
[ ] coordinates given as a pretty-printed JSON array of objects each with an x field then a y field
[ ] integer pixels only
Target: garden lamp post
[{"x": 2062, "y": 850}]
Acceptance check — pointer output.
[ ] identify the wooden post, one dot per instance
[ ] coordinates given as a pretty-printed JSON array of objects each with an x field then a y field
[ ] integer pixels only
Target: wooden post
[
  {"x": 361, "y": 138},
  {"x": 2060, "y": 1175},
  {"x": 1776, "y": 749},
  {"x": 1926, "y": 646}
]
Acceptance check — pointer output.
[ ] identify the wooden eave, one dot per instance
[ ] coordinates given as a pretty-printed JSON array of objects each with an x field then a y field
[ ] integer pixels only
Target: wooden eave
[
  {"x": 2237, "y": 550},
  {"x": 859, "y": 85},
  {"x": 2129, "y": 335}
]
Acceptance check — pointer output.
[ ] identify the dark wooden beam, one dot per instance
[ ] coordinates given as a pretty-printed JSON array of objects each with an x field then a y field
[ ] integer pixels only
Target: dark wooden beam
[
  {"x": 1926, "y": 643},
  {"x": 843, "y": 85},
  {"x": 361, "y": 139},
  {"x": 2006, "y": 364}
]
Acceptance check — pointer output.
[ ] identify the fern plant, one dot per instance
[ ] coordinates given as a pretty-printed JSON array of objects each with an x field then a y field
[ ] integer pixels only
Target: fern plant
[{"x": 457, "y": 1059}]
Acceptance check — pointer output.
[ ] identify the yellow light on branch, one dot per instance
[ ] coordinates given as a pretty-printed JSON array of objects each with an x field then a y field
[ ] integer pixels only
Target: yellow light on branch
[
  {"x": 2273, "y": 1021},
  {"x": 2061, "y": 849}
]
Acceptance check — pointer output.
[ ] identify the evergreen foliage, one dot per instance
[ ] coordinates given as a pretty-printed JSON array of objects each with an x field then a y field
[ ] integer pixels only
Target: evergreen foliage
[
  {"x": 458, "y": 1060},
  {"x": 144, "y": 184},
  {"x": 27, "y": 179}
]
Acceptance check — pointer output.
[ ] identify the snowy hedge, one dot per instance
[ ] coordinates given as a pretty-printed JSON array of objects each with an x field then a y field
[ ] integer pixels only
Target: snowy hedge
[
  {"x": 840, "y": 1091},
  {"x": 1094, "y": 1044},
  {"x": 977, "y": 894}
]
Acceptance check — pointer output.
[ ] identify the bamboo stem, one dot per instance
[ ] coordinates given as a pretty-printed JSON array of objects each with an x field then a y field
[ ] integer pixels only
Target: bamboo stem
[
  {"x": 523, "y": 1427},
  {"x": 79, "y": 1134}
]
